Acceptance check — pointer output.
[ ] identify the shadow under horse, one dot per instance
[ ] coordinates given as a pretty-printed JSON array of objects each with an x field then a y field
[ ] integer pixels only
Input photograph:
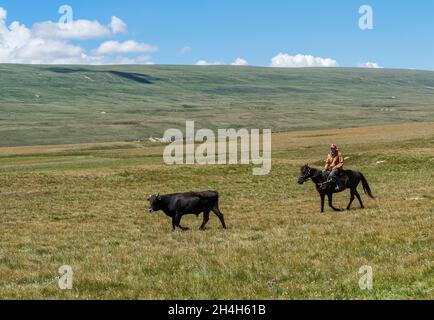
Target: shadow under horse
[{"x": 349, "y": 179}]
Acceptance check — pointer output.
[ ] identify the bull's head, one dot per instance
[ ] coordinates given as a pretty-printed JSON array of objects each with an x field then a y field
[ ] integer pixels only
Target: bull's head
[
  {"x": 305, "y": 174},
  {"x": 154, "y": 203}
]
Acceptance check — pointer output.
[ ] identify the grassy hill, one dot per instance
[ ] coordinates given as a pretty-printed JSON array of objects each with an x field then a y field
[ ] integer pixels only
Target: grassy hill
[{"x": 77, "y": 104}]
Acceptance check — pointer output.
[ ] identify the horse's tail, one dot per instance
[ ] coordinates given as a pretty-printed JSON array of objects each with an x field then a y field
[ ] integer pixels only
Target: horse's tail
[{"x": 366, "y": 187}]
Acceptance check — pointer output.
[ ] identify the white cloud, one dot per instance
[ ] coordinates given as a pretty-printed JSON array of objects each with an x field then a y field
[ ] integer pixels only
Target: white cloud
[
  {"x": 78, "y": 29},
  {"x": 185, "y": 50},
  {"x": 118, "y": 26},
  {"x": 12, "y": 38},
  {"x": 19, "y": 45},
  {"x": 104, "y": 60},
  {"x": 368, "y": 64},
  {"x": 240, "y": 62},
  {"x": 237, "y": 62},
  {"x": 47, "y": 43},
  {"x": 300, "y": 60},
  {"x": 3, "y": 14},
  {"x": 206, "y": 63},
  {"x": 129, "y": 46},
  {"x": 43, "y": 51}
]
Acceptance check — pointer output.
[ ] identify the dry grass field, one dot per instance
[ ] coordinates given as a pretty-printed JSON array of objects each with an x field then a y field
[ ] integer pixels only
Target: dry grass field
[{"x": 85, "y": 206}]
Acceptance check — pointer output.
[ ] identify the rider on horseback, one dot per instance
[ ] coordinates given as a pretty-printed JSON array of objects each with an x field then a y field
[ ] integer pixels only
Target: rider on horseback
[{"x": 334, "y": 166}]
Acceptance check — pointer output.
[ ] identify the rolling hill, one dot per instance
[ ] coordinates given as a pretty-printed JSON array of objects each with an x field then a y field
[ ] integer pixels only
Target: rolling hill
[{"x": 41, "y": 105}]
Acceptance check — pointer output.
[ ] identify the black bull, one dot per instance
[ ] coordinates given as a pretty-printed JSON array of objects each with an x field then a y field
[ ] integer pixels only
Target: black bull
[{"x": 177, "y": 205}]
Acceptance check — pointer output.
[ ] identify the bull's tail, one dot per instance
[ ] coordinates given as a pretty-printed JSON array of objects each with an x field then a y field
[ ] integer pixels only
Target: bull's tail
[{"x": 366, "y": 187}]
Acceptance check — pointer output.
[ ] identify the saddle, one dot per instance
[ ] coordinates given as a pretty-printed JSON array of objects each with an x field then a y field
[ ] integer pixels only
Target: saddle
[{"x": 342, "y": 177}]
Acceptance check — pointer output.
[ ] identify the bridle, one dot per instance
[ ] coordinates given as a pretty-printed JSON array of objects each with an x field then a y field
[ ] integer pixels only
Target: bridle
[{"x": 306, "y": 176}]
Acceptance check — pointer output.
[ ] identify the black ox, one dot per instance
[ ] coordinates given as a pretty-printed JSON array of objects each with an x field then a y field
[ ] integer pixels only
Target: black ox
[{"x": 178, "y": 204}]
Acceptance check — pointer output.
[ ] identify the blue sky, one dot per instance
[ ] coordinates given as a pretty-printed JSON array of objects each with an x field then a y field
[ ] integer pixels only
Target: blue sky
[{"x": 256, "y": 31}]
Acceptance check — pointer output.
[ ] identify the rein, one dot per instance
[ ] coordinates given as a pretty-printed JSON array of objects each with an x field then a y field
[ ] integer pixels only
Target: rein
[
  {"x": 320, "y": 184},
  {"x": 315, "y": 175}
]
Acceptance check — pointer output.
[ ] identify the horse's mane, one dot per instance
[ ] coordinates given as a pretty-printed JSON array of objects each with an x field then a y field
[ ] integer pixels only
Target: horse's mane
[
  {"x": 314, "y": 169},
  {"x": 316, "y": 172}
]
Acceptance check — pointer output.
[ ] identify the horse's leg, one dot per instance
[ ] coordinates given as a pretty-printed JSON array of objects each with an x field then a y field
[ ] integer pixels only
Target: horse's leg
[
  {"x": 351, "y": 199},
  {"x": 322, "y": 195},
  {"x": 360, "y": 199},
  {"x": 330, "y": 196}
]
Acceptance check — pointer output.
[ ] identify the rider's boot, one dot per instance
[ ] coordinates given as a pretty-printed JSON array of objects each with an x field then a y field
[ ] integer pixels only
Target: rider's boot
[{"x": 338, "y": 186}]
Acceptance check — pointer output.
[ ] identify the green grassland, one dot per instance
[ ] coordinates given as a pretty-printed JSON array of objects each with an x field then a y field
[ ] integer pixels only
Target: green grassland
[
  {"x": 85, "y": 206},
  {"x": 42, "y": 105},
  {"x": 73, "y": 184}
]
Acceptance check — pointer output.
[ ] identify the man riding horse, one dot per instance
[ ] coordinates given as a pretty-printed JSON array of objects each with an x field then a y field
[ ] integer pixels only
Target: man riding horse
[
  {"x": 334, "y": 179},
  {"x": 334, "y": 166}
]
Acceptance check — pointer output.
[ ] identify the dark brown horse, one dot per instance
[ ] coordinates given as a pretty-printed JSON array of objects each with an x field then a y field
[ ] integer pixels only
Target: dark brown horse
[{"x": 350, "y": 180}]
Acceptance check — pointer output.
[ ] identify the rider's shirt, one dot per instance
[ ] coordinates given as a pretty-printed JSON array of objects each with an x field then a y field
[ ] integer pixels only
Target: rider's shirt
[{"x": 336, "y": 162}]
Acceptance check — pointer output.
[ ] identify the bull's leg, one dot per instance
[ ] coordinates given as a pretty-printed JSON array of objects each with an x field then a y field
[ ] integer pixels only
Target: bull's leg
[
  {"x": 217, "y": 212},
  {"x": 330, "y": 196},
  {"x": 173, "y": 223},
  {"x": 360, "y": 199},
  {"x": 351, "y": 199},
  {"x": 178, "y": 217},
  {"x": 322, "y": 195},
  {"x": 205, "y": 220}
]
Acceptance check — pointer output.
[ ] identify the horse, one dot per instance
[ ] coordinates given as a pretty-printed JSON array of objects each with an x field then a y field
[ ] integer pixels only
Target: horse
[{"x": 353, "y": 178}]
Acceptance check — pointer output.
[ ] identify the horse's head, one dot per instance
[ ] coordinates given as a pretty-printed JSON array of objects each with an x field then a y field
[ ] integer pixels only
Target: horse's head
[{"x": 305, "y": 174}]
